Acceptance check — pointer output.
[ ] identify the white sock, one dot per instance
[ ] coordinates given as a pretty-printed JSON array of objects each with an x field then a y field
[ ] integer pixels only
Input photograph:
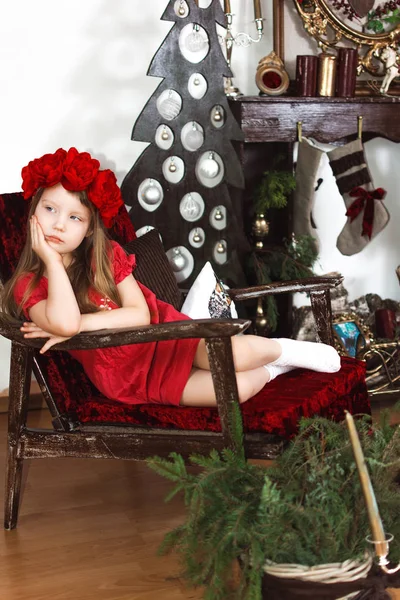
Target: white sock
[
  {"x": 307, "y": 355},
  {"x": 274, "y": 370}
]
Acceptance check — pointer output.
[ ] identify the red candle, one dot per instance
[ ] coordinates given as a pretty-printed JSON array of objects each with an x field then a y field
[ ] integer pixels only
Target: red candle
[
  {"x": 385, "y": 323},
  {"x": 346, "y": 73},
  {"x": 306, "y": 75}
]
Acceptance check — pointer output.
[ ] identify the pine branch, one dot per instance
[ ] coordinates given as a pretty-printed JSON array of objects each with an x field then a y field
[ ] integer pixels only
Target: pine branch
[
  {"x": 274, "y": 190},
  {"x": 307, "y": 509}
]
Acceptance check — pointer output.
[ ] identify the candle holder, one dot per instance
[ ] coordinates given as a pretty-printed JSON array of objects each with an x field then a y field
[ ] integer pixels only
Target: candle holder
[
  {"x": 240, "y": 39},
  {"x": 383, "y": 561},
  {"x": 378, "y": 537}
]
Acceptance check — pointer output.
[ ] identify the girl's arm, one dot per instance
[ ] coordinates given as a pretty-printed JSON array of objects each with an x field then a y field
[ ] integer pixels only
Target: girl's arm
[
  {"x": 134, "y": 311},
  {"x": 59, "y": 314}
]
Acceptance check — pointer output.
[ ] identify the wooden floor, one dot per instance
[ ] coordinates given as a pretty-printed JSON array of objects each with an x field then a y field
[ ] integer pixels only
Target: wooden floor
[{"x": 89, "y": 530}]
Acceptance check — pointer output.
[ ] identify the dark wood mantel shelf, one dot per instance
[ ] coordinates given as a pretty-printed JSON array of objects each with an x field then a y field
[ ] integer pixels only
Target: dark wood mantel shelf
[{"x": 269, "y": 119}]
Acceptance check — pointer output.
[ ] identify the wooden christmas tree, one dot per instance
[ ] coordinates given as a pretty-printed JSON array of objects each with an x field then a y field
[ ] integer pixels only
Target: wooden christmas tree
[{"x": 180, "y": 184}]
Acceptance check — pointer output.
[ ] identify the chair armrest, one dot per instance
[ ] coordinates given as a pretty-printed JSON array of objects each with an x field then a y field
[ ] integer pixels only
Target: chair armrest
[
  {"x": 309, "y": 284},
  {"x": 200, "y": 328},
  {"x": 319, "y": 288},
  {"x": 217, "y": 333}
]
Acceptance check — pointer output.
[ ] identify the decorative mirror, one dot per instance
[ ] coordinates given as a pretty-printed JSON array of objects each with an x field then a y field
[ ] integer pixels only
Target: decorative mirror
[{"x": 370, "y": 25}]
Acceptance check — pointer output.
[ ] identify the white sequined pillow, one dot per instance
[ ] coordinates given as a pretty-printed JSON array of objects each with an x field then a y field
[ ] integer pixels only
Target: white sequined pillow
[{"x": 207, "y": 298}]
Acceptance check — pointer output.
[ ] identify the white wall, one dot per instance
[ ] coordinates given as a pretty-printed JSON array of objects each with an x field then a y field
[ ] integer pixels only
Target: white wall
[{"x": 74, "y": 73}]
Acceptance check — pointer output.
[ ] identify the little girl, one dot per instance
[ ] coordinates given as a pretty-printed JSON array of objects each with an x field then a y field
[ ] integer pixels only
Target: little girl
[{"x": 71, "y": 278}]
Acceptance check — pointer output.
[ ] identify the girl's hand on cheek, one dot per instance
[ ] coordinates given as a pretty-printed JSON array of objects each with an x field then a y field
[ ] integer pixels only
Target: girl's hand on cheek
[{"x": 39, "y": 244}]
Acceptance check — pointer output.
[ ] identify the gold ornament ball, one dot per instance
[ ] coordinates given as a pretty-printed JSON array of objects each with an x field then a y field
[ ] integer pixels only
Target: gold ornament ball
[
  {"x": 181, "y": 11},
  {"x": 164, "y": 135},
  {"x": 220, "y": 248},
  {"x": 217, "y": 116},
  {"x": 260, "y": 321},
  {"x": 260, "y": 229},
  {"x": 197, "y": 238},
  {"x": 172, "y": 167},
  {"x": 218, "y": 215},
  {"x": 260, "y": 225}
]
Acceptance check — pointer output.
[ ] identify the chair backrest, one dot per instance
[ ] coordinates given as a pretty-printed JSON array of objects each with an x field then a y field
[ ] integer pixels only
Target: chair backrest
[{"x": 13, "y": 220}]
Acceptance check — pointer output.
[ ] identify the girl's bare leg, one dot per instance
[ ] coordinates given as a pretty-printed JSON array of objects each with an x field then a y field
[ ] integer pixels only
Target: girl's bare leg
[
  {"x": 249, "y": 352},
  {"x": 199, "y": 390}
]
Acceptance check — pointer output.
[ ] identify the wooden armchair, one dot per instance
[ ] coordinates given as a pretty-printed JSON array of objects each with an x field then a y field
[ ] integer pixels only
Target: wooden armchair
[{"x": 89, "y": 425}]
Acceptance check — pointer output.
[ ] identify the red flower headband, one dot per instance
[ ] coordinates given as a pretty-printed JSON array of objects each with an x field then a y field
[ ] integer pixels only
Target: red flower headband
[{"x": 76, "y": 171}]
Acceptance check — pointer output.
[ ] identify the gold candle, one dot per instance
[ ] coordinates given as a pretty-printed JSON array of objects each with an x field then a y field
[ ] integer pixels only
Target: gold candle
[
  {"x": 326, "y": 75},
  {"x": 227, "y": 6},
  {"x": 257, "y": 9},
  {"x": 378, "y": 534}
]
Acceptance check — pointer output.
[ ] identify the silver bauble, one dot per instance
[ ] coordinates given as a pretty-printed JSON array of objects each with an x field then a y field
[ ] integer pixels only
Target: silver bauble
[
  {"x": 177, "y": 261},
  {"x": 172, "y": 167},
  {"x": 151, "y": 194},
  {"x": 196, "y": 81},
  {"x": 194, "y": 139},
  {"x": 209, "y": 167},
  {"x": 191, "y": 208},
  {"x": 170, "y": 108},
  {"x": 165, "y": 135},
  {"x": 181, "y": 11},
  {"x": 218, "y": 216},
  {"x": 195, "y": 41}
]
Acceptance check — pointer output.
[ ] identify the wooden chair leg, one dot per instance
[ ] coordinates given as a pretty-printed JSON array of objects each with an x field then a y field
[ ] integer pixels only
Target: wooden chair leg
[
  {"x": 20, "y": 380},
  {"x": 224, "y": 379}
]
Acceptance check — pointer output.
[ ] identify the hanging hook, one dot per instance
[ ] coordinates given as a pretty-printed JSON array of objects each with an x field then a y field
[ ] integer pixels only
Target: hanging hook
[
  {"x": 359, "y": 127},
  {"x": 299, "y": 131}
]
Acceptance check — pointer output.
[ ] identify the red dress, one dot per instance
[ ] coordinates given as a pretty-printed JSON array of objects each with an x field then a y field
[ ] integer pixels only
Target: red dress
[{"x": 154, "y": 372}]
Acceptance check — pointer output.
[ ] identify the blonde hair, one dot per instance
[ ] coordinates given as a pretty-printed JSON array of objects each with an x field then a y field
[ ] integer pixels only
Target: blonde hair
[{"x": 90, "y": 268}]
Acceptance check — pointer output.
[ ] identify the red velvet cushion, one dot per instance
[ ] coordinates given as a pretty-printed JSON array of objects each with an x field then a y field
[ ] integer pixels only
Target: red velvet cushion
[{"x": 276, "y": 409}]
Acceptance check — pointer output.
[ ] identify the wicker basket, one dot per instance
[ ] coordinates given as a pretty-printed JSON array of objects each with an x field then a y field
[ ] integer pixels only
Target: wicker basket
[{"x": 350, "y": 570}]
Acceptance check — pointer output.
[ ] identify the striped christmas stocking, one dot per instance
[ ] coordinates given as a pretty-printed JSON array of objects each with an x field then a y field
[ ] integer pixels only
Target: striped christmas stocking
[{"x": 367, "y": 215}]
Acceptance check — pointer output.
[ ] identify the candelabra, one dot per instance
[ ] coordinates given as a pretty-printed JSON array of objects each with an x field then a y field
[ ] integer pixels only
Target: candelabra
[{"x": 240, "y": 39}]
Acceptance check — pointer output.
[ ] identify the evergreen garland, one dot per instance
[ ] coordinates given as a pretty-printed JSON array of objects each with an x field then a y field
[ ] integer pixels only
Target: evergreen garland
[
  {"x": 308, "y": 509},
  {"x": 274, "y": 190}
]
